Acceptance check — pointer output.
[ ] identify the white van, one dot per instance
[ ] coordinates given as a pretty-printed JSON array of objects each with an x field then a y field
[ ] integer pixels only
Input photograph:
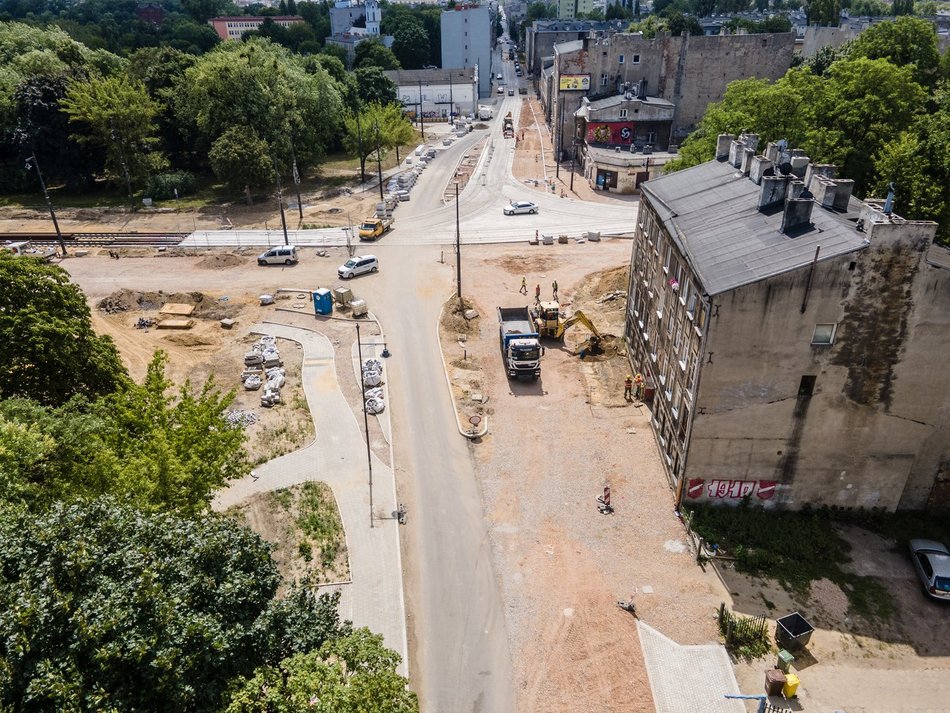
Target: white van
[
  {"x": 358, "y": 265},
  {"x": 283, "y": 255}
]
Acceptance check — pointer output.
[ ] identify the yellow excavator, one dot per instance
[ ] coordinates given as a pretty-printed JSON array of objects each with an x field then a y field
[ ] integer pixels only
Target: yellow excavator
[{"x": 547, "y": 320}]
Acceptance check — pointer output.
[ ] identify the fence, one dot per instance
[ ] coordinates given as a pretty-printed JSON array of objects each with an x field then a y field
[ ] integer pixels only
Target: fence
[{"x": 739, "y": 630}]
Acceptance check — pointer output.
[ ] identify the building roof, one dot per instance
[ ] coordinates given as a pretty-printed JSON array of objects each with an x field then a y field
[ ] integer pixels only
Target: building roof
[
  {"x": 569, "y": 46},
  {"x": 402, "y": 77},
  {"x": 711, "y": 212},
  {"x": 578, "y": 25},
  {"x": 618, "y": 99},
  {"x": 256, "y": 18}
]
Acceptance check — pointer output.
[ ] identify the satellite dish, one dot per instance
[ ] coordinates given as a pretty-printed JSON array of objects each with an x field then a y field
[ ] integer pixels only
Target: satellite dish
[{"x": 785, "y": 168}]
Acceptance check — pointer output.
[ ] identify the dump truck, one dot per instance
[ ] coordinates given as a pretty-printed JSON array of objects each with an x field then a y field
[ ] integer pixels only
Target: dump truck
[
  {"x": 509, "y": 126},
  {"x": 372, "y": 228},
  {"x": 520, "y": 348}
]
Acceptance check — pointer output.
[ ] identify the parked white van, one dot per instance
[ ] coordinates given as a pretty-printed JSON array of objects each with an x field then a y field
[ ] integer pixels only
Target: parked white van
[
  {"x": 283, "y": 255},
  {"x": 358, "y": 265}
]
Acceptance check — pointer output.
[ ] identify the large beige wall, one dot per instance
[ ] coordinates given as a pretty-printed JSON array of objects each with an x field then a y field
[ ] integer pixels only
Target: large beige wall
[{"x": 877, "y": 427}]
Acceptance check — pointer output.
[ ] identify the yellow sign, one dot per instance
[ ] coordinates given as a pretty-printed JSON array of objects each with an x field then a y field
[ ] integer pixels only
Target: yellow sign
[{"x": 569, "y": 82}]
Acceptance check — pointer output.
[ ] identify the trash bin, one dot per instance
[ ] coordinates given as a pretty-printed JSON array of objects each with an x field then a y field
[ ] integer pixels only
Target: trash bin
[
  {"x": 774, "y": 682},
  {"x": 793, "y": 631},
  {"x": 785, "y": 660},
  {"x": 790, "y": 689}
]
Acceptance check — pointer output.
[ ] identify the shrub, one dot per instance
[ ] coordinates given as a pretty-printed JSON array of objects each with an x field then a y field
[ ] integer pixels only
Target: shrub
[{"x": 162, "y": 186}]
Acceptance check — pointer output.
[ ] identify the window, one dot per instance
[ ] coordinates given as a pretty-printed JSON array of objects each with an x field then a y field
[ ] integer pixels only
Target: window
[
  {"x": 603, "y": 80},
  {"x": 636, "y": 59},
  {"x": 824, "y": 334},
  {"x": 620, "y": 59},
  {"x": 667, "y": 257},
  {"x": 623, "y": 113},
  {"x": 806, "y": 386}
]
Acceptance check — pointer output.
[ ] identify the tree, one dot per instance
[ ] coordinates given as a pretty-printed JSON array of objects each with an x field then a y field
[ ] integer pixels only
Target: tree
[
  {"x": 373, "y": 87},
  {"x": 204, "y": 10},
  {"x": 359, "y": 138},
  {"x": 906, "y": 42},
  {"x": 868, "y": 8},
  {"x": 119, "y": 116},
  {"x": 352, "y": 674},
  {"x": 242, "y": 159},
  {"x": 103, "y": 607},
  {"x": 679, "y": 23},
  {"x": 902, "y": 7},
  {"x": 826, "y": 13},
  {"x": 396, "y": 129},
  {"x": 373, "y": 52},
  {"x": 411, "y": 44},
  {"x": 45, "y": 324}
]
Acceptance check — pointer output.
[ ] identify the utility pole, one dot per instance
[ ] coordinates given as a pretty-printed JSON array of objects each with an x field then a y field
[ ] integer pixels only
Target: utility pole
[
  {"x": 451, "y": 101},
  {"x": 422, "y": 121},
  {"x": 379, "y": 164},
  {"x": 31, "y": 162},
  {"x": 560, "y": 129},
  {"x": 573, "y": 159},
  {"x": 458, "y": 247},
  {"x": 280, "y": 202},
  {"x": 293, "y": 155},
  {"x": 359, "y": 141},
  {"x": 369, "y": 455}
]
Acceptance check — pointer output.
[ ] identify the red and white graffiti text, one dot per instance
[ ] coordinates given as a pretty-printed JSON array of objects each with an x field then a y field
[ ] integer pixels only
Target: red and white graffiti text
[{"x": 730, "y": 489}]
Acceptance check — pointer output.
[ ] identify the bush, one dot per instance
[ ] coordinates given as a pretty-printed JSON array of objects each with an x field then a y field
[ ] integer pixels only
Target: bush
[{"x": 162, "y": 186}]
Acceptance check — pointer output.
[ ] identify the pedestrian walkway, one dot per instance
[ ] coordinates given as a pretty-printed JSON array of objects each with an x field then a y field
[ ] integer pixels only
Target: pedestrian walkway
[
  {"x": 338, "y": 457},
  {"x": 687, "y": 679}
]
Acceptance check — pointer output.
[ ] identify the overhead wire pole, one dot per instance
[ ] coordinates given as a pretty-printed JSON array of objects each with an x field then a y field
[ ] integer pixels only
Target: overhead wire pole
[
  {"x": 379, "y": 162},
  {"x": 49, "y": 204},
  {"x": 293, "y": 155},
  {"x": 458, "y": 247},
  {"x": 369, "y": 454},
  {"x": 280, "y": 202},
  {"x": 422, "y": 120}
]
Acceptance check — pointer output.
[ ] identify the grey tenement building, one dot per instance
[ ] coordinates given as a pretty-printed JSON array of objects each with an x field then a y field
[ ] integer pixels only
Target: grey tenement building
[{"x": 796, "y": 337}]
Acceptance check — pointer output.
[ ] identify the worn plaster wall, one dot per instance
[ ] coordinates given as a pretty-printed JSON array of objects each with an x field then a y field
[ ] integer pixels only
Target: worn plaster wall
[{"x": 872, "y": 429}]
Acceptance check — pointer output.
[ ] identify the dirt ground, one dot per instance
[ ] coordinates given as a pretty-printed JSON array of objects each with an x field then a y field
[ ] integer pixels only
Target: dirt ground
[
  {"x": 553, "y": 445},
  {"x": 534, "y": 163}
]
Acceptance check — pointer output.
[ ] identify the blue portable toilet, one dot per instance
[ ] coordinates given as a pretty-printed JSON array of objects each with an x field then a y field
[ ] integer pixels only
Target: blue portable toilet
[{"x": 322, "y": 301}]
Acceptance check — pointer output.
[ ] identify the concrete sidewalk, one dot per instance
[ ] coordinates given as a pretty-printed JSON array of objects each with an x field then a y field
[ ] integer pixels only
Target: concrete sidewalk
[
  {"x": 687, "y": 679},
  {"x": 338, "y": 457}
]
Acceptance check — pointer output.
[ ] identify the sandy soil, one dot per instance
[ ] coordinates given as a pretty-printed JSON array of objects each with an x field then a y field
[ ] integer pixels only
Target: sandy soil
[{"x": 552, "y": 448}]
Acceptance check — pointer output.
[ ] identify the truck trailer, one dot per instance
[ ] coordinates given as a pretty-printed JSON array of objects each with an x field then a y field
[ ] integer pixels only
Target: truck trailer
[{"x": 521, "y": 351}]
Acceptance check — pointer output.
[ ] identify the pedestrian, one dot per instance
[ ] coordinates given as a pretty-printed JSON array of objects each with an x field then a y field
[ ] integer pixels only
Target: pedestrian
[
  {"x": 524, "y": 286},
  {"x": 628, "y": 388},
  {"x": 537, "y": 235},
  {"x": 537, "y": 293},
  {"x": 554, "y": 289},
  {"x": 638, "y": 383}
]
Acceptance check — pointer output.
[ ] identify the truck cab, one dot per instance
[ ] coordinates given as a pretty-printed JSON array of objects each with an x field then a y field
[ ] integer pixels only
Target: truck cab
[{"x": 372, "y": 228}]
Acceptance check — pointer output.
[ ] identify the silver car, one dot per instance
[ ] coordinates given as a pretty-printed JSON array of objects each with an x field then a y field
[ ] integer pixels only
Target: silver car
[
  {"x": 932, "y": 563},
  {"x": 519, "y": 207},
  {"x": 358, "y": 265}
]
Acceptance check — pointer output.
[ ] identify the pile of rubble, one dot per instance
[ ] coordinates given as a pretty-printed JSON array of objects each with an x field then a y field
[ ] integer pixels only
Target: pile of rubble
[
  {"x": 373, "y": 378},
  {"x": 263, "y": 367},
  {"x": 240, "y": 419}
]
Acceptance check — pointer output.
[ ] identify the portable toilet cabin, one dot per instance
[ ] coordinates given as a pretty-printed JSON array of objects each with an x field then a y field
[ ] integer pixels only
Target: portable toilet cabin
[{"x": 322, "y": 301}]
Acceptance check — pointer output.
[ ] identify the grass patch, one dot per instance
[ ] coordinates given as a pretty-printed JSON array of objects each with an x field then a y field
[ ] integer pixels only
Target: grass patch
[
  {"x": 796, "y": 549},
  {"x": 319, "y": 522}
]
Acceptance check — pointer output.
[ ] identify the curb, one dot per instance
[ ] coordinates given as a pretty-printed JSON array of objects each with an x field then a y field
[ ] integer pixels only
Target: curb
[{"x": 470, "y": 435}]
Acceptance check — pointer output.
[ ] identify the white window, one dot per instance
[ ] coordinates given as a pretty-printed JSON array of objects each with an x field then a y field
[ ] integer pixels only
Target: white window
[
  {"x": 824, "y": 334},
  {"x": 620, "y": 59},
  {"x": 636, "y": 59},
  {"x": 623, "y": 113},
  {"x": 603, "y": 80}
]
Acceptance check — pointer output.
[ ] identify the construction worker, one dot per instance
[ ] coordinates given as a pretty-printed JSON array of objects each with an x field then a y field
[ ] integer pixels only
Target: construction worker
[
  {"x": 638, "y": 383},
  {"x": 537, "y": 293},
  {"x": 524, "y": 286},
  {"x": 628, "y": 388},
  {"x": 554, "y": 289}
]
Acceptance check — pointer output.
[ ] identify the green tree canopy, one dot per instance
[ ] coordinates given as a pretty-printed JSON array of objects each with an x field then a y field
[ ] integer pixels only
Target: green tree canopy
[
  {"x": 352, "y": 674},
  {"x": 411, "y": 44},
  {"x": 242, "y": 159},
  {"x": 906, "y": 42},
  {"x": 826, "y": 13},
  {"x": 373, "y": 53},
  {"x": 103, "y": 607},
  {"x": 373, "y": 87},
  {"x": 48, "y": 348}
]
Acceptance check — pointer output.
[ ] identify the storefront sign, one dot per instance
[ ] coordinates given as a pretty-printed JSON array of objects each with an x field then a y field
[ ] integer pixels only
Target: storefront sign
[
  {"x": 572, "y": 82},
  {"x": 612, "y": 132}
]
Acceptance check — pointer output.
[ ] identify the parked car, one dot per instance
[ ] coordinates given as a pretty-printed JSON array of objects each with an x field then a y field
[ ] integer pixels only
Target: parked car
[
  {"x": 511, "y": 92},
  {"x": 283, "y": 255},
  {"x": 518, "y": 207},
  {"x": 498, "y": 77},
  {"x": 932, "y": 563},
  {"x": 501, "y": 90},
  {"x": 358, "y": 265}
]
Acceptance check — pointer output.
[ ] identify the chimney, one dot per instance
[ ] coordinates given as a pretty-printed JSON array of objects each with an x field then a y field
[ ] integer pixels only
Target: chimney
[
  {"x": 722, "y": 146},
  {"x": 751, "y": 140},
  {"x": 797, "y": 215},
  {"x": 824, "y": 191},
  {"x": 773, "y": 191},
  {"x": 799, "y": 163},
  {"x": 746, "y": 164},
  {"x": 643, "y": 89},
  {"x": 771, "y": 152},
  {"x": 735, "y": 153},
  {"x": 760, "y": 165},
  {"x": 795, "y": 189},
  {"x": 828, "y": 170},
  {"x": 843, "y": 194}
]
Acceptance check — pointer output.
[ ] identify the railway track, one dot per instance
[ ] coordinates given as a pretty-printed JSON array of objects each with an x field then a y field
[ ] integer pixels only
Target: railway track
[{"x": 99, "y": 240}]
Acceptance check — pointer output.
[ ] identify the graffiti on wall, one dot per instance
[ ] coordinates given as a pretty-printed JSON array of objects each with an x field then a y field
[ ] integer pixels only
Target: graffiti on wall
[
  {"x": 612, "y": 132},
  {"x": 730, "y": 489}
]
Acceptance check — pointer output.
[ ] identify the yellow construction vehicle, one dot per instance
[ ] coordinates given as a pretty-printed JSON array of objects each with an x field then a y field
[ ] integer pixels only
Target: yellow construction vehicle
[{"x": 548, "y": 322}]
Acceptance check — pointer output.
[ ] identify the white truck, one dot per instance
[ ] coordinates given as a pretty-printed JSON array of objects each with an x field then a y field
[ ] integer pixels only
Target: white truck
[
  {"x": 485, "y": 112},
  {"x": 520, "y": 347}
]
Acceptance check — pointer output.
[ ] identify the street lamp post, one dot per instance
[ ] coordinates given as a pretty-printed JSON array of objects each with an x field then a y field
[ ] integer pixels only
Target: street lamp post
[
  {"x": 369, "y": 456},
  {"x": 458, "y": 247},
  {"x": 31, "y": 162},
  {"x": 379, "y": 163}
]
